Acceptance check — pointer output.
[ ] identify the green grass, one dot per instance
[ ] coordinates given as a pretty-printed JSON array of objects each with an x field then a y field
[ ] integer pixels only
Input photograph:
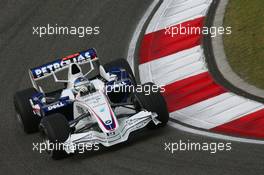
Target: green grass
[{"x": 245, "y": 46}]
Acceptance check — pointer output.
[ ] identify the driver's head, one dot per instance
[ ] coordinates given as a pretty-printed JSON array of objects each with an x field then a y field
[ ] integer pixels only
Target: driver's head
[{"x": 81, "y": 84}]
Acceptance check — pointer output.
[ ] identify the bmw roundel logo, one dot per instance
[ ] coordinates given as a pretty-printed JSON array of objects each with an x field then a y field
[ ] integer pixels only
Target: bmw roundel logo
[{"x": 108, "y": 122}]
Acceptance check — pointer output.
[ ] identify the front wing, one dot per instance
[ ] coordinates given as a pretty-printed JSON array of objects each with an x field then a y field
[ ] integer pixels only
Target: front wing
[{"x": 126, "y": 126}]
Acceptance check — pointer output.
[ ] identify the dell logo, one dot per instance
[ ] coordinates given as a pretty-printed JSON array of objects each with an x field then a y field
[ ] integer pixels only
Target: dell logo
[{"x": 55, "y": 106}]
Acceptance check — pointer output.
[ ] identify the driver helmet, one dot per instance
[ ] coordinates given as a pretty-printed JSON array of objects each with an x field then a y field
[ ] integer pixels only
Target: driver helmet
[{"x": 81, "y": 84}]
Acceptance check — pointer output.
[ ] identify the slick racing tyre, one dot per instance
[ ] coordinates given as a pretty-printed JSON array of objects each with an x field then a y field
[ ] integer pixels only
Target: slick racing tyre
[
  {"x": 28, "y": 120},
  {"x": 123, "y": 64},
  {"x": 152, "y": 102},
  {"x": 55, "y": 130}
]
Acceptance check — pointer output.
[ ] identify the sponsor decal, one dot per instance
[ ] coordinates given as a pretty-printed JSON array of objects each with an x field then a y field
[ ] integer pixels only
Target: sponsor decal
[
  {"x": 58, "y": 64},
  {"x": 108, "y": 122},
  {"x": 55, "y": 106}
]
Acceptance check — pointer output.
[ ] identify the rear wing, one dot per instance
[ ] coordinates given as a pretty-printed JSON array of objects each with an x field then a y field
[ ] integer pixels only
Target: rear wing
[{"x": 48, "y": 69}]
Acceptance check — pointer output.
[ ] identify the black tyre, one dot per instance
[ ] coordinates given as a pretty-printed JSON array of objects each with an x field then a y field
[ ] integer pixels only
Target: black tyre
[
  {"x": 55, "y": 130},
  {"x": 153, "y": 102},
  {"x": 28, "y": 120},
  {"x": 123, "y": 64}
]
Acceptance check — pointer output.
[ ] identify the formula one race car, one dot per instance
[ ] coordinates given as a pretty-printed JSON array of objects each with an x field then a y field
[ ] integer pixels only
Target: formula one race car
[{"x": 97, "y": 110}]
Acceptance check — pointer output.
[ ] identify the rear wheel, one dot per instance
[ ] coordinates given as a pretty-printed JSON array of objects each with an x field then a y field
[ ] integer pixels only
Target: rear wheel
[
  {"x": 55, "y": 130},
  {"x": 27, "y": 119},
  {"x": 118, "y": 97},
  {"x": 123, "y": 64},
  {"x": 152, "y": 102}
]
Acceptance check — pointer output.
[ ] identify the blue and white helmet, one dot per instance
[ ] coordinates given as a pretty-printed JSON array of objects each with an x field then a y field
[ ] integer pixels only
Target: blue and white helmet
[{"x": 81, "y": 84}]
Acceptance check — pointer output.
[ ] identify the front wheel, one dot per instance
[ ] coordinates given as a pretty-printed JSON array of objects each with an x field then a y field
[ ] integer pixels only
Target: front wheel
[
  {"x": 152, "y": 102},
  {"x": 55, "y": 130}
]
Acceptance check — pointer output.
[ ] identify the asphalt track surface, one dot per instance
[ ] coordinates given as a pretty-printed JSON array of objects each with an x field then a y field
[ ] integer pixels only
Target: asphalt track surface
[{"x": 144, "y": 153}]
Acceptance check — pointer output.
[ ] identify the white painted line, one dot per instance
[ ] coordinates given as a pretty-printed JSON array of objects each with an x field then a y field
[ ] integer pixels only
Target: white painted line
[
  {"x": 216, "y": 111},
  {"x": 175, "y": 67}
]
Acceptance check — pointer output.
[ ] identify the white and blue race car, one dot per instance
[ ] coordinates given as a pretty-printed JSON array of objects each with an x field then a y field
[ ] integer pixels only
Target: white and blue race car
[{"x": 97, "y": 110}]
